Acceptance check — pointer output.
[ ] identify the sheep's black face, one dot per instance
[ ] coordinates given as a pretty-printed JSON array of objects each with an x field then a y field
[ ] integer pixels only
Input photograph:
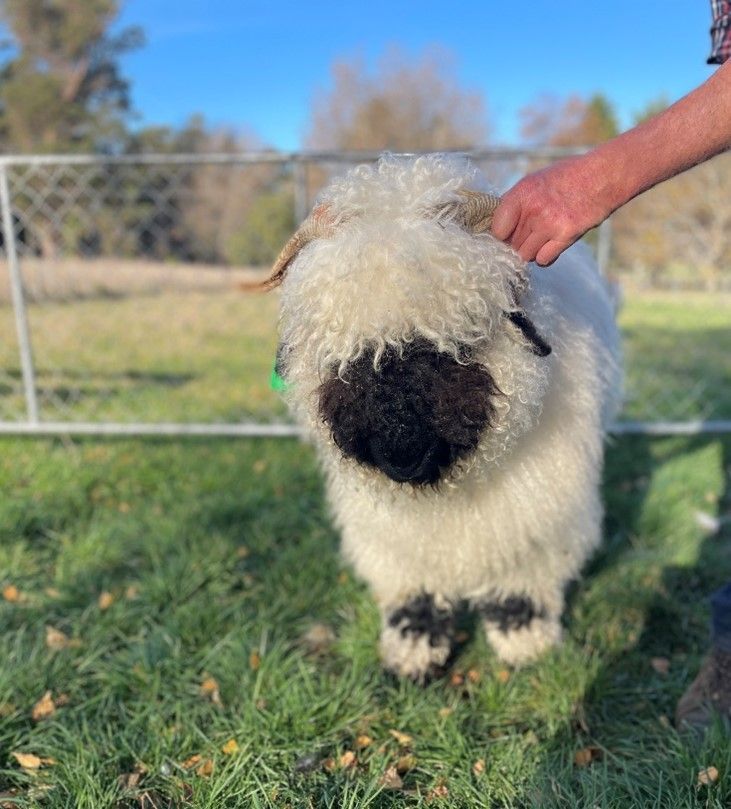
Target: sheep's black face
[{"x": 414, "y": 416}]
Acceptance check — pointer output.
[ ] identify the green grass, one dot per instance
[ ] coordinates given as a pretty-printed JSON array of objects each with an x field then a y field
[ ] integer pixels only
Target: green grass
[
  {"x": 170, "y": 520},
  {"x": 206, "y": 356},
  {"x": 219, "y": 557}
]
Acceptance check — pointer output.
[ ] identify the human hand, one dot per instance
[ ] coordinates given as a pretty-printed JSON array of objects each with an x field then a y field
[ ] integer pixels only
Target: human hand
[{"x": 548, "y": 210}]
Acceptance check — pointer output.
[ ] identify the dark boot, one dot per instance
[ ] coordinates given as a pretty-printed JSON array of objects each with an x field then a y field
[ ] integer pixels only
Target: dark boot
[{"x": 708, "y": 695}]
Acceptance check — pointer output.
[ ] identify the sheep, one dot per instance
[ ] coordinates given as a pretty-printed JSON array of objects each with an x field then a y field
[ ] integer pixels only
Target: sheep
[{"x": 458, "y": 400}]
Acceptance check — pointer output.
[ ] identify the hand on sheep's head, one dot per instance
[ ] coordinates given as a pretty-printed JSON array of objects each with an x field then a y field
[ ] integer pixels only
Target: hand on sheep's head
[{"x": 549, "y": 210}]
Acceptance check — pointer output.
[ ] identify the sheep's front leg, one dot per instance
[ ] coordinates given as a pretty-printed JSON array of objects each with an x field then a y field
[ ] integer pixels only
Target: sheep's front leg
[
  {"x": 418, "y": 636},
  {"x": 519, "y": 627}
]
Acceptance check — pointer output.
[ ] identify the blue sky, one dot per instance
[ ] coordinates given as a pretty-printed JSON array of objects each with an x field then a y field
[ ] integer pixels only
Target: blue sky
[{"x": 257, "y": 65}]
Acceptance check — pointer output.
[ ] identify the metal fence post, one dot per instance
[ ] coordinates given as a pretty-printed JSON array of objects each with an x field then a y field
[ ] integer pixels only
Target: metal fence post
[
  {"x": 301, "y": 203},
  {"x": 18, "y": 298},
  {"x": 604, "y": 246}
]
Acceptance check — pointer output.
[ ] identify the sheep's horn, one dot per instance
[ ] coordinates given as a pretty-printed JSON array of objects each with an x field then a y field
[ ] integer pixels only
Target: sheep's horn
[
  {"x": 475, "y": 210},
  {"x": 318, "y": 224}
]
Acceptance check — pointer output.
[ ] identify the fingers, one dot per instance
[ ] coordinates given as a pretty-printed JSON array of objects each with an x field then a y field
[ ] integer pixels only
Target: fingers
[
  {"x": 531, "y": 246},
  {"x": 549, "y": 252},
  {"x": 505, "y": 218}
]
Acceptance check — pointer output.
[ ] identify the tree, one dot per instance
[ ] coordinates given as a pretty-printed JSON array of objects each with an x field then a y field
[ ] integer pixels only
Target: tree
[
  {"x": 62, "y": 89},
  {"x": 403, "y": 105},
  {"x": 573, "y": 121},
  {"x": 680, "y": 230}
]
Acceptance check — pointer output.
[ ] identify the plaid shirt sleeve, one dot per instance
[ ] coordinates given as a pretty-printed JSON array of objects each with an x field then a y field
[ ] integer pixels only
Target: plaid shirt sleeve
[{"x": 720, "y": 32}]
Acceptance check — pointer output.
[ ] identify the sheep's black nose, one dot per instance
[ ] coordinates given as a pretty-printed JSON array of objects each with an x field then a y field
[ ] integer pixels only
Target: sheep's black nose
[
  {"x": 411, "y": 417},
  {"x": 416, "y": 462}
]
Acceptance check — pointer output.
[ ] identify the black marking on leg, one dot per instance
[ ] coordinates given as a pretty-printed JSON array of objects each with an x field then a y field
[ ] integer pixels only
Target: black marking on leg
[
  {"x": 510, "y": 613},
  {"x": 421, "y": 616}
]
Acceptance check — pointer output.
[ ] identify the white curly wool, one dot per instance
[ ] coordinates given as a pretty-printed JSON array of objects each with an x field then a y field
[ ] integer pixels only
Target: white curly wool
[{"x": 519, "y": 516}]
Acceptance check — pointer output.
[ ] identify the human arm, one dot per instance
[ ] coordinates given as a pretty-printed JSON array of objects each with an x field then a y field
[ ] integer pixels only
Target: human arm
[{"x": 547, "y": 211}]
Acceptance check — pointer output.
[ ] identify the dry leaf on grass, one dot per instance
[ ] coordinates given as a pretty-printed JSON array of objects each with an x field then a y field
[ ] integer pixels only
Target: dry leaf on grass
[
  {"x": 30, "y": 761},
  {"x": 205, "y": 768},
  {"x": 131, "y": 592},
  {"x": 347, "y": 759},
  {"x": 11, "y": 594},
  {"x": 363, "y": 741},
  {"x": 479, "y": 767},
  {"x": 437, "y": 793},
  {"x": 660, "y": 664},
  {"x": 707, "y": 776},
  {"x": 456, "y": 679},
  {"x": 230, "y": 747},
  {"x": 406, "y": 763},
  {"x": 56, "y": 640},
  {"x": 318, "y": 639},
  {"x": 254, "y": 661},
  {"x": 191, "y": 762},
  {"x": 585, "y": 756},
  {"x": 105, "y": 601},
  {"x": 503, "y": 676},
  {"x": 391, "y": 779},
  {"x": 209, "y": 689},
  {"x": 44, "y": 708},
  {"x": 445, "y": 712},
  {"x": 473, "y": 676},
  {"x": 402, "y": 738}
]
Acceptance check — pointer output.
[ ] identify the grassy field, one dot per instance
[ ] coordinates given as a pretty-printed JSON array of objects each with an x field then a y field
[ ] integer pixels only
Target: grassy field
[
  {"x": 165, "y": 594},
  {"x": 205, "y": 355}
]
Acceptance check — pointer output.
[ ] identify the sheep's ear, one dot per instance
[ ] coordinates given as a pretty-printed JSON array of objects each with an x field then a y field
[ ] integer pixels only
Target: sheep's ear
[{"x": 527, "y": 328}]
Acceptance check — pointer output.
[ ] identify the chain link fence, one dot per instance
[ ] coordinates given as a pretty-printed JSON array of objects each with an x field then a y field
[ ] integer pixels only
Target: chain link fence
[{"x": 122, "y": 308}]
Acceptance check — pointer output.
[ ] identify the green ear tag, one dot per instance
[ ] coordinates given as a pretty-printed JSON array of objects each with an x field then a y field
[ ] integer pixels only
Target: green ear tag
[{"x": 276, "y": 382}]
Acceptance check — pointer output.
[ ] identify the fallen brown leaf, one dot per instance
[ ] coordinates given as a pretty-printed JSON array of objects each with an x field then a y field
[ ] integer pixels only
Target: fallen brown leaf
[
  {"x": 129, "y": 780},
  {"x": 230, "y": 747},
  {"x": 44, "y": 708},
  {"x": 402, "y": 738},
  {"x": 406, "y": 763},
  {"x": 56, "y": 640},
  {"x": 191, "y": 762},
  {"x": 585, "y": 756},
  {"x": 30, "y": 761},
  {"x": 205, "y": 768},
  {"x": 363, "y": 741},
  {"x": 445, "y": 712},
  {"x": 503, "y": 676},
  {"x": 391, "y": 779},
  {"x": 105, "y": 601},
  {"x": 660, "y": 664},
  {"x": 328, "y": 764},
  {"x": 209, "y": 689},
  {"x": 11, "y": 593},
  {"x": 347, "y": 759},
  {"x": 473, "y": 676},
  {"x": 318, "y": 638},
  {"x": 456, "y": 679},
  {"x": 437, "y": 793},
  {"x": 709, "y": 775},
  {"x": 478, "y": 767}
]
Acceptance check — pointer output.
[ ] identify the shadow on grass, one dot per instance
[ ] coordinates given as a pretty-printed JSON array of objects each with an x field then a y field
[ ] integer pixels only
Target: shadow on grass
[{"x": 627, "y": 711}]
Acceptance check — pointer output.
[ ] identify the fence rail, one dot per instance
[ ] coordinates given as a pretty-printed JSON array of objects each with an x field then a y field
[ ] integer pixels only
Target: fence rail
[{"x": 122, "y": 292}]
